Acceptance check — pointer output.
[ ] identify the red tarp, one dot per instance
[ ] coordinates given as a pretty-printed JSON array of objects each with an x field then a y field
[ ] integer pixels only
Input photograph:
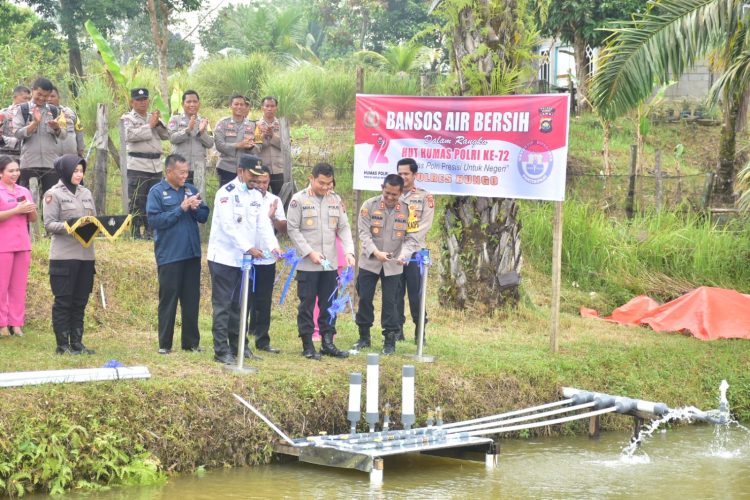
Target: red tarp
[{"x": 708, "y": 313}]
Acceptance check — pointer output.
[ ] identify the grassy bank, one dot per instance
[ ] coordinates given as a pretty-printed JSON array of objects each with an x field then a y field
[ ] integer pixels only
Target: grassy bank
[{"x": 184, "y": 418}]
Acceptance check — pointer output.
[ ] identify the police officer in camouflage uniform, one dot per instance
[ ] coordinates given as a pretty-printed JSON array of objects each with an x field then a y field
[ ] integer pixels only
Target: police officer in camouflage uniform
[
  {"x": 144, "y": 132},
  {"x": 73, "y": 143},
  {"x": 9, "y": 145},
  {"x": 314, "y": 217},
  {"x": 37, "y": 125},
  {"x": 190, "y": 136},
  {"x": 386, "y": 246},
  {"x": 421, "y": 207},
  {"x": 234, "y": 136}
]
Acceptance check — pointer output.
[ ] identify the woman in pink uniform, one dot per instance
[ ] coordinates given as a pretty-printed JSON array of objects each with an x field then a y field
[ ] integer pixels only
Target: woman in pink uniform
[{"x": 17, "y": 209}]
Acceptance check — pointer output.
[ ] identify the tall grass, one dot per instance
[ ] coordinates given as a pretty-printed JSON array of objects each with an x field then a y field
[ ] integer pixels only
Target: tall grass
[
  {"x": 218, "y": 78},
  {"x": 291, "y": 90},
  {"x": 662, "y": 254},
  {"x": 379, "y": 82}
]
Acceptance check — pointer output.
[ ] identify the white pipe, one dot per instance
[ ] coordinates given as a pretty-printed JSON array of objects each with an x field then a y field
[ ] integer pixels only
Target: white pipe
[
  {"x": 532, "y": 425},
  {"x": 268, "y": 422},
  {"x": 371, "y": 406},
  {"x": 355, "y": 400},
  {"x": 508, "y": 414},
  {"x": 15, "y": 379},
  {"x": 407, "y": 396},
  {"x": 523, "y": 418}
]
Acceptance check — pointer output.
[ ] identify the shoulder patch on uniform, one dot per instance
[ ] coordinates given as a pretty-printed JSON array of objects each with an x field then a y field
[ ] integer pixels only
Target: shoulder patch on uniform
[
  {"x": 48, "y": 199},
  {"x": 364, "y": 211},
  {"x": 293, "y": 204},
  {"x": 230, "y": 187},
  {"x": 430, "y": 201},
  {"x": 224, "y": 199}
]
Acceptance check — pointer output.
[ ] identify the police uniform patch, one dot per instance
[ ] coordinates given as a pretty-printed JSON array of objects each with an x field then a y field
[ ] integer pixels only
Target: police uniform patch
[
  {"x": 230, "y": 187},
  {"x": 399, "y": 234},
  {"x": 309, "y": 222},
  {"x": 364, "y": 211},
  {"x": 224, "y": 199},
  {"x": 375, "y": 230},
  {"x": 293, "y": 204},
  {"x": 48, "y": 199},
  {"x": 430, "y": 201}
]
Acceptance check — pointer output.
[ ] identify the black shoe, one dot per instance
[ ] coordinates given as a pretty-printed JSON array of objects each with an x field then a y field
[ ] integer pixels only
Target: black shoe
[
  {"x": 400, "y": 336},
  {"x": 193, "y": 349},
  {"x": 389, "y": 343},
  {"x": 311, "y": 354},
  {"x": 63, "y": 349},
  {"x": 164, "y": 351},
  {"x": 362, "y": 343},
  {"x": 270, "y": 349},
  {"x": 328, "y": 348},
  {"x": 227, "y": 359},
  {"x": 249, "y": 355},
  {"x": 308, "y": 348}
]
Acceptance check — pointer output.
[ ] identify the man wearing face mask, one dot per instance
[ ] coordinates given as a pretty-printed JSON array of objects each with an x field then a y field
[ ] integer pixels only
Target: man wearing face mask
[
  {"x": 144, "y": 132},
  {"x": 240, "y": 229}
]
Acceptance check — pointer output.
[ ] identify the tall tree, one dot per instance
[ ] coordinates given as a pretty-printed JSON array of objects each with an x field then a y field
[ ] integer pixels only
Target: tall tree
[
  {"x": 136, "y": 39},
  {"x": 579, "y": 23},
  {"x": 71, "y": 14},
  {"x": 160, "y": 13},
  {"x": 491, "y": 43},
  {"x": 664, "y": 42}
]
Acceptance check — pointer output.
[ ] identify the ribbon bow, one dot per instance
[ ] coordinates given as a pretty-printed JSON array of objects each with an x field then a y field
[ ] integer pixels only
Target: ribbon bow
[
  {"x": 422, "y": 257},
  {"x": 291, "y": 259},
  {"x": 343, "y": 298}
]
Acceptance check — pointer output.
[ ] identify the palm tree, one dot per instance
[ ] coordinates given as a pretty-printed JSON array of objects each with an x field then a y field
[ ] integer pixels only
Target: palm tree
[
  {"x": 399, "y": 58},
  {"x": 660, "y": 45}
]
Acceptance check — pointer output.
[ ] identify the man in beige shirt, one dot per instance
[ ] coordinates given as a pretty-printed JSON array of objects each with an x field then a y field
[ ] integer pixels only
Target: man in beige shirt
[{"x": 270, "y": 149}]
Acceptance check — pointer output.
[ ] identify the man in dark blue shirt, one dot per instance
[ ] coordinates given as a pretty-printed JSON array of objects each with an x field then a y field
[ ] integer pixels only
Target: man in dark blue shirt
[{"x": 174, "y": 209}]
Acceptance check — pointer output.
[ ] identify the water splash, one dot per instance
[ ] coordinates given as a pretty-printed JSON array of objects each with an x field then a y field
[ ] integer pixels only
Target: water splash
[{"x": 686, "y": 414}]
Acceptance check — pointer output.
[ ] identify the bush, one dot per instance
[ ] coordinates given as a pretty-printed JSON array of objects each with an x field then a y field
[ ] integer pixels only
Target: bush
[
  {"x": 378, "y": 82},
  {"x": 290, "y": 88},
  {"x": 218, "y": 78}
]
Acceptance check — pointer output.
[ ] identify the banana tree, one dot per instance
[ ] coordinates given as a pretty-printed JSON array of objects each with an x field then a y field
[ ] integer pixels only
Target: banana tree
[{"x": 662, "y": 44}]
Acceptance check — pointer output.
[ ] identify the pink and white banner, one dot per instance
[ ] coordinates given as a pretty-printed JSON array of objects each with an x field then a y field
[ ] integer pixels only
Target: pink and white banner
[{"x": 500, "y": 146}]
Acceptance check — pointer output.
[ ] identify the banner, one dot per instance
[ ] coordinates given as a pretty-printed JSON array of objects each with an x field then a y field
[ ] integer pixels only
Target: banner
[{"x": 500, "y": 146}]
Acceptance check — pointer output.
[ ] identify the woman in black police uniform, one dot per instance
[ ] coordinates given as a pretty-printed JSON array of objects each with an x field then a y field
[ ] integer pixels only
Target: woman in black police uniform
[{"x": 71, "y": 265}]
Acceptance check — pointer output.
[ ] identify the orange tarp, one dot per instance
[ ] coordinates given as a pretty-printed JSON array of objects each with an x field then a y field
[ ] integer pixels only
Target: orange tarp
[{"x": 707, "y": 313}]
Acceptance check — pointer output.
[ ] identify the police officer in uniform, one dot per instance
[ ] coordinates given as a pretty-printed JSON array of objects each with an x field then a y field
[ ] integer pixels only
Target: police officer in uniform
[
  {"x": 144, "y": 132},
  {"x": 421, "y": 207},
  {"x": 9, "y": 145},
  {"x": 234, "y": 136},
  {"x": 73, "y": 143},
  {"x": 239, "y": 227},
  {"x": 190, "y": 135},
  {"x": 315, "y": 216},
  {"x": 386, "y": 246},
  {"x": 71, "y": 265}
]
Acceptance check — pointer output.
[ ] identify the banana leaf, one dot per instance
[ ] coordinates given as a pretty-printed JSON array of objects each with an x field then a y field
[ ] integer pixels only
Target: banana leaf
[{"x": 108, "y": 55}]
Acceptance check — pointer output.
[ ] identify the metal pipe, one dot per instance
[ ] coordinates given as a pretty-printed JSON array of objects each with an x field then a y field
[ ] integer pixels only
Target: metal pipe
[
  {"x": 533, "y": 425},
  {"x": 523, "y": 418},
  {"x": 640, "y": 405},
  {"x": 426, "y": 262},
  {"x": 508, "y": 414},
  {"x": 355, "y": 400},
  {"x": 372, "y": 414},
  {"x": 243, "y": 314},
  {"x": 407, "y": 396},
  {"x": 268, "y": 422}
]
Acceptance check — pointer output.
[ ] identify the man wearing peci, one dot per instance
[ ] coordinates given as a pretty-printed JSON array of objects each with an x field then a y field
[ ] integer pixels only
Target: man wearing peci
[{"x": 175, "y": 209}]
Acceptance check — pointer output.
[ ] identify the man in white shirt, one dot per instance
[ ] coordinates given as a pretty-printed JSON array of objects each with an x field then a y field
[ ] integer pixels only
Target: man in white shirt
[{"x": 239, "y": 228}]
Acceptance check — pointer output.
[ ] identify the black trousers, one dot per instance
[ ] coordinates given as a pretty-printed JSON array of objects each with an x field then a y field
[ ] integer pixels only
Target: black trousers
[
  {"x": 312, "y": 285},
  {"x": 139, "y": 184},
  {"x": 366, "y": 282},
  {"x": 225, "y": 299},
  {"x": 46, "y": 178},
  {"x": 276, "y": 183},
  {"x": 411, "y": 282},
  {"x": 71, "y": 282},
  {"x": 225, "y": 176},
  {"x": 260, "y": 304},
  {"x": 179, "y": 282}
]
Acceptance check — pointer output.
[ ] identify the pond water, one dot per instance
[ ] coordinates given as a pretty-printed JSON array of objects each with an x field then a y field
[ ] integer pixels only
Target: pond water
[{"x": 692, "y": 461}]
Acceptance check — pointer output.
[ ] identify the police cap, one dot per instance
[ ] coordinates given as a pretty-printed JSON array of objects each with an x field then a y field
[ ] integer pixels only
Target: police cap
[
  {"x": 251, "y": 163},
  {"x": 139, "y": 93}
]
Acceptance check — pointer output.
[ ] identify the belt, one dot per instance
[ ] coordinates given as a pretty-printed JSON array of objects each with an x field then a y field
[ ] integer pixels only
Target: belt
[{"x": 148, "y": 156}]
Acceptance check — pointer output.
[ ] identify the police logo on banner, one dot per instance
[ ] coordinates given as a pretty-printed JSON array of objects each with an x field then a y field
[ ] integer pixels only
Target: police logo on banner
[
  {"x": 545, "y": 119},
  {"x": 371, "y": 119},
  {"x": 535, "y": 162}
]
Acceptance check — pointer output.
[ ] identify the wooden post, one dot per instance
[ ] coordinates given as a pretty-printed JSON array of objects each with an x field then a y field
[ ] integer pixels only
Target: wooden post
[
  {"x": 124, "y": 168},
  {"x": 557, "y": 236},
  {"x": 102, "y": 155},
  {"x": 630, "y": 202},
  {"x": 286, "y": 155},
  {"x": 637, "y": 425},
  {"x": 657, "y": 174},
  {"x": 595, "y": 425},
  {"x": 707, "y": 189}
]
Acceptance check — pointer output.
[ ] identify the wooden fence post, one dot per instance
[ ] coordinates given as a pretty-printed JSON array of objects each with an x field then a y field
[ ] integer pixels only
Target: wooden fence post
[
  {"x": 124, "y": 168},
  {"x": 102, "y": 155},
  {"x": 630, "y": 202},
  {"x": 657, "y": 174}
]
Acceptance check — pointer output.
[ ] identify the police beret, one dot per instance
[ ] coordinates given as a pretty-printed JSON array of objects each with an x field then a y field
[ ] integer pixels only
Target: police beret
[
  {"x": 252, "y": 163},
  {"x": 139, "y": 93}
]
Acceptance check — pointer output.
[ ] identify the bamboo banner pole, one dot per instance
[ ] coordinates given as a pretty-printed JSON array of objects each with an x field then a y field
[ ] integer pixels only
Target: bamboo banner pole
[{"x": 557, "y": 236}]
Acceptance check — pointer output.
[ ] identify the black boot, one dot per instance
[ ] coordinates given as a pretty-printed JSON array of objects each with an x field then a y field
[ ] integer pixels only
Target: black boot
[
  {"x": 400, "y": 335},
  {"x": 364, "y": 340},
  {"x": 63, "y": 344},
  {"x": 328, "y": 348},
  {"x": 76, "y": 343},
  {"x": 389, "y": 342},
  {"x": 308, "y": 349}
]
